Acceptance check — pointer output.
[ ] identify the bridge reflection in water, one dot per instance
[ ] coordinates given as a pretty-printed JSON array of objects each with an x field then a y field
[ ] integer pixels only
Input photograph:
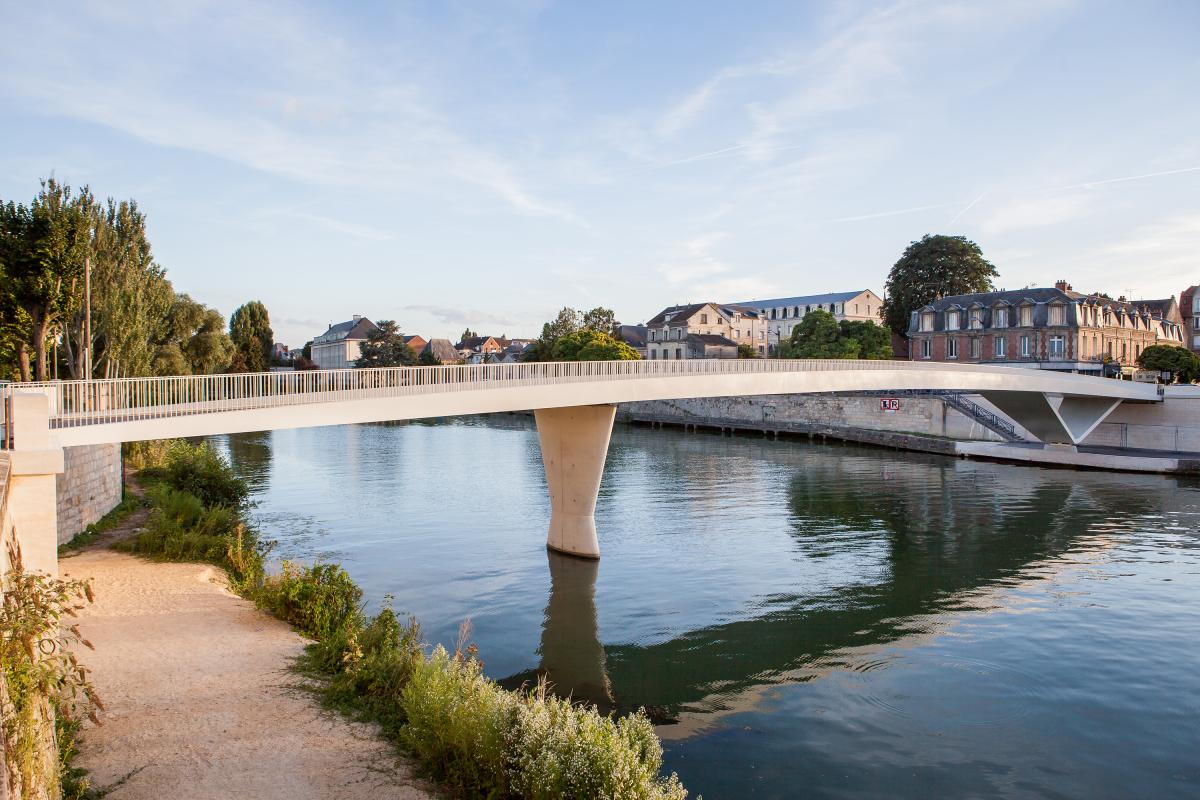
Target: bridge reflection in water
[{"x": 935, "y": 555}]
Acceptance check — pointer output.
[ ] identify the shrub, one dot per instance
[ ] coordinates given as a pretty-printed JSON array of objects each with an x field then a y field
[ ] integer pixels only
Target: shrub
[
  {"x": 320, "y": 600},
  {"x": 182, "y": 528},
  {"x": 146, "y": 455},
  {"x": 203, "y": 472}
]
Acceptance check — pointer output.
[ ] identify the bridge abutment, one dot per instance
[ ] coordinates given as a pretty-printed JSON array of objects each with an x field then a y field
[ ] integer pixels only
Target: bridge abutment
[
  {"x": 574, "y": 444},
  {"x": 34, "y": 462}
]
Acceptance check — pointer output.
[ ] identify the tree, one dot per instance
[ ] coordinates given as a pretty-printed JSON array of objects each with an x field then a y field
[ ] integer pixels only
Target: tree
[
  {"x": 385, "y": 347},
  {"x": 599, "y": 319},
  {"x": 467, "y": 334},
  {"x": 428, "y": 359},
  {"x": 747, "y": 351},
  {"x": 192, "y": 341},
  {"x": 306, "y": 351},
  {"x": 930, "y": 269},
  {"x": 1182, "y": 363},
  {"x": 591, "y": 345},
  {"x": 250, "y": 330},
  {"x": 874, "y": 341},
  {"x": 818, "y": 336},
  {"x": 43, "y": 247}
]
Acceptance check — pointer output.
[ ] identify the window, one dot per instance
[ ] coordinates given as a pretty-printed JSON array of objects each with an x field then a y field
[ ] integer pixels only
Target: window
[
  {"x": 1000, "y": 318},
  {"x": 976, "y": 318},
  {"x": 1196, "y": 303},
  {"x": 951, "y": 347},
  {"x": 868, "y": 310},
  {"x": 975, "y": 347},
  {"x": 927, "y": 321},
  {"x": 856, "y": 308},
  {"x": 1057, "y": 314},
  {"x": 704, "y": 319},
  {"x": 951, "y": 320},
  {"x": 1026, "y": 316},
  {"x": 1196, "y": 341},
  {"x": 926, "y": 348},
  {"x": 1001, "y": 347},
  {"x": 653, "y": 354},
  {"x": 1058, "y": 346},
  {"x": 1026, "y": 346},
  {"x": 678, "y": 353}
]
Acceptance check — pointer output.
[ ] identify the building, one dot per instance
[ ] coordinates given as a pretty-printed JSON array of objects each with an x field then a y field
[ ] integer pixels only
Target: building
[
  {"x": 710, "y": 345},
  {"x": 442, "y": 350},
  {"x": 1189, "y": 308},
  {"x": 479, "y": 350},
  {"x": 280, "y": 352},
  {"x": 632, "y": 335},
  {"x": 416, "y": 343},
  {"x": 667, "y": 331},
  {"x": 340, "y": 346},
  {"x": 782, "y": 314},
  {"x": 1048, "y": 328}
]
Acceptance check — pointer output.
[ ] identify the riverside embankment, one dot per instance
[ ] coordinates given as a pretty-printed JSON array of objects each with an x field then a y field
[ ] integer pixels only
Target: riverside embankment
[{"x": 201, "y": 700}]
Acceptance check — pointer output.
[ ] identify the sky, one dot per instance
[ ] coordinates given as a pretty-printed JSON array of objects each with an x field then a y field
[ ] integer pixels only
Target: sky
[{"x": 456, "y": 164}]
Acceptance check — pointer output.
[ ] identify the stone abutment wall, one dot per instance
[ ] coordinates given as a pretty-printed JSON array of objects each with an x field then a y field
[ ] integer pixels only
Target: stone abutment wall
[{"x": 89, "y": 487}]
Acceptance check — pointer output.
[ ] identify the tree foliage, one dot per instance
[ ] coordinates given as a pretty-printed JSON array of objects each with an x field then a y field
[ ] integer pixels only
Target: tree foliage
[
  {"x": 1183, "y": 364},
  {"x": 932, "y": 268},
  {"x": 192, "y": 341},
  {"x": 250, "y": 330},
  {"x": 385, "y": 347},
  {"x": 820, "y": 335},
  {"x": 589, "y": 345},
  {"x": 747, "y": 351},
  {"x": 567, "y": 322}
]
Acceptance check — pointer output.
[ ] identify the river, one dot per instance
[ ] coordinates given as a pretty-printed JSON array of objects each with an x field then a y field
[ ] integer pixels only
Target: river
[{"x": 800, "y": 619}]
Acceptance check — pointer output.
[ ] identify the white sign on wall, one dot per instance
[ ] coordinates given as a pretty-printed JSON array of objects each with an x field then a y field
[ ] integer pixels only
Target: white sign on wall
[{"x": 889, "y": 404}]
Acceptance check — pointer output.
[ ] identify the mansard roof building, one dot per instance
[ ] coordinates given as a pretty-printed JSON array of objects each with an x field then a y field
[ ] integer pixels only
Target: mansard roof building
[{"x": 1045, "y": 328}]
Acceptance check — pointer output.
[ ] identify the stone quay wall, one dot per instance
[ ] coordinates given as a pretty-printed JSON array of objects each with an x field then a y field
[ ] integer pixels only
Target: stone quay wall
[
  {"x": 89, "y": 487},
  {"x": 924, "y": 416},
  {"x": 1172, "y": 425}
]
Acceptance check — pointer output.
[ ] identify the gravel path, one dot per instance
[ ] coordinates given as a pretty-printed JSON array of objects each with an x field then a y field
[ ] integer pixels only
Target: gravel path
[{"x": 200, "y": 700}]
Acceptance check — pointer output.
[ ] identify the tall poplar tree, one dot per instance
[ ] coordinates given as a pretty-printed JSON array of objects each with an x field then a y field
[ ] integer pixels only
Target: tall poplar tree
[{"x": 250, "y": 330}]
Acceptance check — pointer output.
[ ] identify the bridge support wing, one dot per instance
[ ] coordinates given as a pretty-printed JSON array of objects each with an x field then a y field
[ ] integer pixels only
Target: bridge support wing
[
  {"x": 1054, "y": 418},
  {"x": 574, "y": 446},
  {"x": 31, "y": 513}
]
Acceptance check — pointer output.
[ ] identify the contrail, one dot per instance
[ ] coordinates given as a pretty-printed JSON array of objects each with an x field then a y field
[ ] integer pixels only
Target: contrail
[
  {"x": 969, "y": 206},
  {"x": 1090, "y": 184}
]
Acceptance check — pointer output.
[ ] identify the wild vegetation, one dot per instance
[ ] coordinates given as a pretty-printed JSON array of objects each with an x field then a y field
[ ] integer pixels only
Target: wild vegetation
[
  {"x": 463, "y": 728},
  {"x": 44, "y": 691}
]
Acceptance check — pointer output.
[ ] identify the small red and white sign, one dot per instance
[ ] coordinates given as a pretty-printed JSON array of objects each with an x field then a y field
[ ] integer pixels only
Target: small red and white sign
[{"x": 889, "y": 404}]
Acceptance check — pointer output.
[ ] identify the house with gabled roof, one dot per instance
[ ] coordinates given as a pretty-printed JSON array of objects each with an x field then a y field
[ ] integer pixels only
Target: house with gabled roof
[
  {"x": 668, "y": 330},
  {"x": 340, "y": 346}
]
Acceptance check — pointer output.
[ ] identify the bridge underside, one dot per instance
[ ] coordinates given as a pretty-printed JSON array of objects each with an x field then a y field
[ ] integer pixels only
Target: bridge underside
[{"x": 1054, "y": 418}]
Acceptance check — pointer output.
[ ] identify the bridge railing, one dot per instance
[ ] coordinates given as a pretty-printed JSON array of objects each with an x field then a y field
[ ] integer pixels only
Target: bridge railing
[{"x": 75, "y": 403}]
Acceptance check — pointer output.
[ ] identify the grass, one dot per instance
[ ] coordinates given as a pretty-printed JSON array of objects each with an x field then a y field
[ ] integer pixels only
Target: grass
[
  {"x": 464, "y": 729},
  {"x": 112, "y": 519}
]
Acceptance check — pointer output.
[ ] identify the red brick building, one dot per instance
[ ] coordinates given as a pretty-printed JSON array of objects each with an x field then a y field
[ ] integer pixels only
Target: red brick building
[{"x": 1189, "y": 307}]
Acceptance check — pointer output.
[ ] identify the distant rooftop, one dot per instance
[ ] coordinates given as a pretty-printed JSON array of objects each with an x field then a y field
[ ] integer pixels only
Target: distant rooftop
[{"x": 805, "y": 300}]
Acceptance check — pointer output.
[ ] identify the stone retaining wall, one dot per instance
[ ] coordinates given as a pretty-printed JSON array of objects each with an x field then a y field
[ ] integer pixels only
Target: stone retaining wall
[
  {"x": 89, "y": 487},
  {"x": 1172, "y": 425},
  {"x": 926, "y": 416}
]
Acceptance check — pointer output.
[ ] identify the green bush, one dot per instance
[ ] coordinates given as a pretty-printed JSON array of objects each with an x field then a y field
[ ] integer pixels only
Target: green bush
[
  {"x": 182, "y": 528},
  {"x": 320, "y": 600},
  {"x": 146, "y": 455},
  {"x": 203, "y": 472}
]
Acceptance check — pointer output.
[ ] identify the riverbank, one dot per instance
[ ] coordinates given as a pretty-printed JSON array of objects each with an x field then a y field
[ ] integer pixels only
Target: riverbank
[{"x": 201, "y": 700}]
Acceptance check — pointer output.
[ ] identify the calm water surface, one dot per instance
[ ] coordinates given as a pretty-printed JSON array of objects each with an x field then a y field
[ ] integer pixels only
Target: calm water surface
[{"x": 803, "y": 620}]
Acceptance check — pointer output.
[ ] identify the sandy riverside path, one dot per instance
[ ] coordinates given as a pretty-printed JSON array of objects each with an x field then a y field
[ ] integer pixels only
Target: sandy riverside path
[{"x": 200, "y": 699}]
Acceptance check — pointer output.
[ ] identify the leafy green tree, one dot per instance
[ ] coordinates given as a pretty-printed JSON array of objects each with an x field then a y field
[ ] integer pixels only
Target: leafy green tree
[
  {"x": 747, "y": 351},
  {"x": 930, "y": 269},
  {"x": 818, "y": 336},
  {"x": 192, "y": 341},
  {"x": 250, "y": 330},
  {"x": 306, "y": 351},
  {"x": 599, "y": 319},
  {"x": 467, "y": 334},
  {"x": 591, "y": 345},
  {"x": 43, "y": 247},
  {"x": 428, "y": 359},
  {"x": 874, "y": 341},
  {"x": 1183, "y": 364},
  {"x": 385, "y": 347}
]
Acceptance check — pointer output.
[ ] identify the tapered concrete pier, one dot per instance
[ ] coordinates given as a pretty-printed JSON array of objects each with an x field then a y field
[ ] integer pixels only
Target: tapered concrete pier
[{"x": 574, "y": 446}]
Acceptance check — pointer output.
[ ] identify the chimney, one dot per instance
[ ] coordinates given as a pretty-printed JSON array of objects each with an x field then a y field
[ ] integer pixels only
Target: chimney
[
  {"x": 357, "y": 317},
  {"x": 1062, "y": 286},
  {"x": 1122, "y": 299}
]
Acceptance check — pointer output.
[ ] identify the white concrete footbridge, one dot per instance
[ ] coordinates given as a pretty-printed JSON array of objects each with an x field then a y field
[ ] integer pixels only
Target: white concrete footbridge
[{"x": 573, "y": 403}]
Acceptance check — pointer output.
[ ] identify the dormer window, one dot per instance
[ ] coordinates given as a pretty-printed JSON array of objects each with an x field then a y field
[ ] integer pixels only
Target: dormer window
[
  {"x": 1000, "y": 318},
  {"x": 1057, "y": 314},
  {"x": 976, "y": 318},
  {"x": 951, "y": 320},
  {"x": 1026, "y": 316},
  {"x": 927, "y": 320}
]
